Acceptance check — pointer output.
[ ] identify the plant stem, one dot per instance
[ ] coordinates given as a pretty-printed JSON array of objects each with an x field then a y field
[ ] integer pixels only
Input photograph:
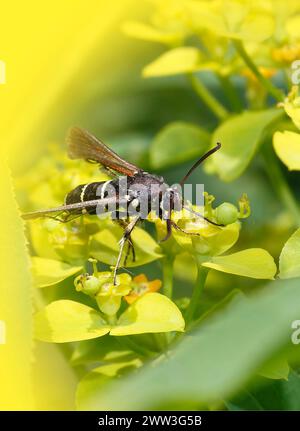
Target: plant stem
[
  {"x": 267, "y": 84},
  {"x": 198, "y": 288},
  {"x": 161, "y": 341},
  {"x": 207, "y": 97},
  {"x": 168, "y": 276},
  {"x": 231, "y": 93},
  {"x": 280, "y": 184}
]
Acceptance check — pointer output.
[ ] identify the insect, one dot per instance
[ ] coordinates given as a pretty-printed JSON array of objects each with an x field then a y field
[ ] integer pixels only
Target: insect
[{"x": 125, "y": 205}]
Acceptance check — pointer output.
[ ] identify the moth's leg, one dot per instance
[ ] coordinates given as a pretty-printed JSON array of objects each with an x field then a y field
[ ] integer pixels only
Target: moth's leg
[
  {"x": 202, "y": 216},
  {"x": 70, "y": 217},
  {"x": 127, "y": 232},
  {"x": 175, "y": 226},
  {"x": 63, "y": 217},
  {"x": 56, "y": 218},
  {"x": 130, "y": 248}
]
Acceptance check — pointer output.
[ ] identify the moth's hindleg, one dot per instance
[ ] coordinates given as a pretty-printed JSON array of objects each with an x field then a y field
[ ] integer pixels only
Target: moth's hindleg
[
  {"x": 63, "y": 217},
  {"x": 130, "y": 248}
]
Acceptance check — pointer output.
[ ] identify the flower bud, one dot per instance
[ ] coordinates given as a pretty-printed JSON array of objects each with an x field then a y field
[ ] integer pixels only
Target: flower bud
[
  {"x": 87, "y": 284},
  {"x": 226, "y": 213}
]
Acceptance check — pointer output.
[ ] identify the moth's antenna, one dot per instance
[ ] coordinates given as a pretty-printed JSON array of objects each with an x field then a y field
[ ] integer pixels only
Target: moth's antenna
[
  {"x": 206, "y": 155},
  {"x": 202, "y": 216}
]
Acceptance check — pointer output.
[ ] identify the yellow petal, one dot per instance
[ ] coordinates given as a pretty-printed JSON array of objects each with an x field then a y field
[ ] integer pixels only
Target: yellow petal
[
  {"x": 289, "y": 261},
  {"x": 65, "y": 321},
  {"x": 47, "y": 272},
  {"x": 153, "y": 312},
  {"x": 143, "y": 31},
  {"x": 287, "y": 148},
  {"x": 293, "y": 111},
  {"x": 178, "y": 60},
  {"x": 253, "y": 263},
  {"x": 293, "y": 27}
]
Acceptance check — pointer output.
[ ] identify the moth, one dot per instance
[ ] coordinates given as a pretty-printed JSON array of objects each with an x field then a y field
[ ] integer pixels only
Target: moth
[{"x": 127, "y": 198}]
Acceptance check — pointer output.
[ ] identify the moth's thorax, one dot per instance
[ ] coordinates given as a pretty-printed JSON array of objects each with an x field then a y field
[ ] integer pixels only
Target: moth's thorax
[{"x": 144, "y": 178}]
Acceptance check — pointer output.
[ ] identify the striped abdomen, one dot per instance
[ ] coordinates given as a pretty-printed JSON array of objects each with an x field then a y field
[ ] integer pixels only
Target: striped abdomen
[{"x": 87, "y": 192}]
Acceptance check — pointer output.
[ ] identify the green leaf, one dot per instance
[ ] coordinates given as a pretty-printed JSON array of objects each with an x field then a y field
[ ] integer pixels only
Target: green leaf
[
  {"x": 271, "y": 395},
  {"x": 289, "y": 261},
  {"x": 16, "y": 347},
  {"x": 64, "y": 321},
  {"x": 276, "y": 370},
  {"x": 143, "y": 31},
  {"x": 100, "y": 376},
  {"x": 104, "y": 350},
  {"x": 240, "y": 137},
  {"x": 105, "y": 246},
  {"x": 218, "y": 359},
  {"x": 244, "y": 401},
  {"x": 189, "y": 140},
  {"x": 287, "y": 147},
  {"x": 253, "y": 263},
  {"x": 151, "y": 313},
  {"x": 51, "y": 370},
  {"x": 47, "y": 272},
  {"x": 178, "y": 60}
]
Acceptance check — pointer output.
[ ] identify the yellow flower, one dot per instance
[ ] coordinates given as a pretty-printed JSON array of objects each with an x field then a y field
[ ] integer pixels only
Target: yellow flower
[
  {"x": 110, "y": 295},
  {"x": 141, "y": 285},
  {"x": 291, "y": 106},
  {"x": 286, "y": 53},
  {"x": 265, "y": 71}
]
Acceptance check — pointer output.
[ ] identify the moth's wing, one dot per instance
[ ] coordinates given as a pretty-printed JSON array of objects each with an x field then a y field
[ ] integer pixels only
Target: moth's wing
[{"x": 83, "y": 145}]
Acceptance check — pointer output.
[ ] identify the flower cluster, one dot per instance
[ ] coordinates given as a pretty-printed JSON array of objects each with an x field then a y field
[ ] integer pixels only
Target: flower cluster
[{"x": 132, "y": 304}]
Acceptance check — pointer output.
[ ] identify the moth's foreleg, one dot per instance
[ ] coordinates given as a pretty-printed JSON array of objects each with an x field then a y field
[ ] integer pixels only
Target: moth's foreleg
[{"x": 126, "y": 237}]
